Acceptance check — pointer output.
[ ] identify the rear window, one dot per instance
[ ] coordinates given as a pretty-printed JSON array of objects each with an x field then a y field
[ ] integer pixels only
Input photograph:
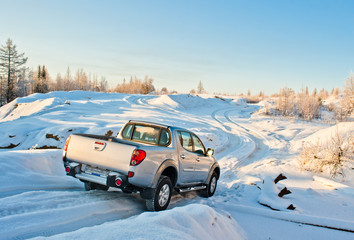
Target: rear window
[
  {"x": 146, "y": 134},
  {"x": 127, "y": 131}
]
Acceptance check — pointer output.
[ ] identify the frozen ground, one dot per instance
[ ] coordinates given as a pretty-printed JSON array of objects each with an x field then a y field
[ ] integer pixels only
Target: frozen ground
[{"x": 37, "y": 199}]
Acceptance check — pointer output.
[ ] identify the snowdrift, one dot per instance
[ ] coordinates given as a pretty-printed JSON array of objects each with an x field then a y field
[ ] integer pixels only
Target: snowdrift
[
  {"x": 323, "y": 136},
  {"x": 184, "y": 101},
  {"x": 33, "y": 170},
  {"x": 195, "y": 221}
]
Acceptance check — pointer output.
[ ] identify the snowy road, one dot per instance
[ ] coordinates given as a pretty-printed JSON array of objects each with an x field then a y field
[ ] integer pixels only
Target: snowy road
[{"x": 37, "y": 199}]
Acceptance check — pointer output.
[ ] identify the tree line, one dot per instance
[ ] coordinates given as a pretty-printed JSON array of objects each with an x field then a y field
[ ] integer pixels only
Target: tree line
[
  {"x": 308, "y": 106},
  {"x": 17, "y": 80}
]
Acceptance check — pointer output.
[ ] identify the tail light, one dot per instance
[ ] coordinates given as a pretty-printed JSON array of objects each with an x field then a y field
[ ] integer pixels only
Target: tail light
[
  {"x": 137, "y": 157},
  {"x": 67, "y": 144},
  {"x": 68, "y": 169},
  {"x": 66, "y": 148}
]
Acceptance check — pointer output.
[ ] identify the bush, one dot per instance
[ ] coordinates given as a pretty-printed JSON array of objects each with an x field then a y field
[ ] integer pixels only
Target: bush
[
  {"x": 331, "y": 156},
  {"x": 136, "y": 86}
]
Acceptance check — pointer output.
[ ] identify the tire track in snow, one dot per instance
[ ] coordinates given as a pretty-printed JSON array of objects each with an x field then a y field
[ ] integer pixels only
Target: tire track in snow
[
  {"x": 260, "y": 151},
  {"x": 236, "y": 154},
  {"x": 43, "y": 213}
]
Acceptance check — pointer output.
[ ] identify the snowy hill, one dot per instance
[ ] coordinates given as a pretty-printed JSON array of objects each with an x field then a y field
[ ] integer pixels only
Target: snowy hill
[{"x": 39, "y": 200}]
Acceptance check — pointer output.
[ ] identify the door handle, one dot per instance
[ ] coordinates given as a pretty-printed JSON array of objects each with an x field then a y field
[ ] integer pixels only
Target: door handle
[
  {"x": 198, "y": 159},
  {"x": 182, "y": 156}
]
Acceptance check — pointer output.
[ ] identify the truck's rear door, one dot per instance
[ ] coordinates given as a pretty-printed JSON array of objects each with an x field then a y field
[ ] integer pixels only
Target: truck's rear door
[{"x": 102, "y": 153}]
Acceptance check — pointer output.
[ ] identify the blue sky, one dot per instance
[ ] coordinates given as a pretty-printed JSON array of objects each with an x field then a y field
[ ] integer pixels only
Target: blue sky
[{"x": 231, "y": 46}]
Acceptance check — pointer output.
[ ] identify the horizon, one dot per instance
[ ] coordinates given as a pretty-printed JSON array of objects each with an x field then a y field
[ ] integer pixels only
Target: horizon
[{"x": 232, "y": 47}]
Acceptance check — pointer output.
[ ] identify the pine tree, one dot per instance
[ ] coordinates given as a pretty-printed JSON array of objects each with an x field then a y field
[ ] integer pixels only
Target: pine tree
[
  {"x": 11, "y": 63},
  {"x": 41, "y": 82}
]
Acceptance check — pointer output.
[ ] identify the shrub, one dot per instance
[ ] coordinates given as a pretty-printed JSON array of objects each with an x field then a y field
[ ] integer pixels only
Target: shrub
[{"x": 330, "y": 156}]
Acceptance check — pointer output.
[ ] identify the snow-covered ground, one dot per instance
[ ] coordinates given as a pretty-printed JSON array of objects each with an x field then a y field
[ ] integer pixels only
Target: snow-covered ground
[{"x": 38, "y": 200}]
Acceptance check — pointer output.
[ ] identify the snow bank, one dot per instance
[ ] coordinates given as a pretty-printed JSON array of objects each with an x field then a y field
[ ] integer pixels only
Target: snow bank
[
  {"x": 17, "y": 109},
  {"x": 164, "y": 101},
  {"x": 185, "y": 101},
  {"x": 195, "y": 221},
  {"x": 324, "y": 136},
  {"x": 240, "y": 102},
  {"x": 32, "y": 170}
]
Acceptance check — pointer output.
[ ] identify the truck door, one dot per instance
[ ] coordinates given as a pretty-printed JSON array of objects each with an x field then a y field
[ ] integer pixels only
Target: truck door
[
  {"x": 203, "y": 162},
  {"x": 187, "y": 158}
]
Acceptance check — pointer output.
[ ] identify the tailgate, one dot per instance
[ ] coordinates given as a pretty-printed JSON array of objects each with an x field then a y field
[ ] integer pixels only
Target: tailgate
[{"x": 100, "y": 153}]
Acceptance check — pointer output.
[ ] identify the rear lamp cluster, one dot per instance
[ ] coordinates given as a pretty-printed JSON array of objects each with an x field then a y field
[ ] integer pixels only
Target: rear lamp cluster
[
  {"x": 66, "y": 148},
  {"x": 137, "y": 157}
]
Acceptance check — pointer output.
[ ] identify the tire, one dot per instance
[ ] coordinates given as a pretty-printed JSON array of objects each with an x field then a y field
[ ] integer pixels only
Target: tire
[
  {"x": 93, "y": 186},
  {"x": 161, "y": 195},
  {"x": 211, "y": 187}
]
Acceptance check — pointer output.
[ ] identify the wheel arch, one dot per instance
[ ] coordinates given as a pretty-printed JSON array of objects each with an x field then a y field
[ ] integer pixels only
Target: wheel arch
[
  {"x": 215, "y": 168},
  {"x": 168, "y": 168}
]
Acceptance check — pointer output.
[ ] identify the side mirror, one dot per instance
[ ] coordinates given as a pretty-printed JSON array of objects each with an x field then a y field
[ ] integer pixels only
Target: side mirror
[{"x": 210, "y": 152}]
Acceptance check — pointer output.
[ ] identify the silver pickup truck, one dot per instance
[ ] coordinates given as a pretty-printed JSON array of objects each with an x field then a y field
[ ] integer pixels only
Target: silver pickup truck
[{"x": 145, "y": 157}]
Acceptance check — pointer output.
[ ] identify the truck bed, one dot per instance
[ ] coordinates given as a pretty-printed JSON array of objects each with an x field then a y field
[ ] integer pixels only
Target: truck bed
[{"x": 100, "y": 151}]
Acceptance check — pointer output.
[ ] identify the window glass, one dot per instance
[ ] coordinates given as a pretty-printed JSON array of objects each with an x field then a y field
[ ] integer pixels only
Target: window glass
[
  {"x": 146, "y": 134},
  {"x": 127, "y": 131},
  {"x": 164, "y": 137},
  {"x": 198, "y": 146},
  {"x": 186, "y": 140}
]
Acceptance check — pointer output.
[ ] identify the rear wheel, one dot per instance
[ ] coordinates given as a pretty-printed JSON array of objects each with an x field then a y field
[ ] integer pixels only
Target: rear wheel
[
  {"x": 93, "y": 186},
  {"x": 161, "y": 195}
]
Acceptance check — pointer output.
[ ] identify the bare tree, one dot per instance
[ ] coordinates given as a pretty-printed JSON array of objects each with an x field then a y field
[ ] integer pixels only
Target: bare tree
[
  {"x": 285, "y": 103},
  {"x": 2, "y": 100},
  {"x": 11, "y": 63},
  {"x": 81, "y": 80},
  {"x": 308, "y": 106},
  {"x": 24, "y": 83},
  {"x": 68, "y": 80},
  {"x": 136, "y": 86},
  {"x": 347, "y": 101},
  {"x": 103, "y": 87},
  {"x": 59, "y": 83},
  {"x": 200, "y": 88}
]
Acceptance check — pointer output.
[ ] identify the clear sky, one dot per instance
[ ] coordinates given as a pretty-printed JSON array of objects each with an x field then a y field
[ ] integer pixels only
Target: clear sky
[{"x": 231, "y": 46}]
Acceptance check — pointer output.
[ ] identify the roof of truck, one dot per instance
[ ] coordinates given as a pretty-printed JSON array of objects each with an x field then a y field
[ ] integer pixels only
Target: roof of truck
[{"x": 155, "y": 124}]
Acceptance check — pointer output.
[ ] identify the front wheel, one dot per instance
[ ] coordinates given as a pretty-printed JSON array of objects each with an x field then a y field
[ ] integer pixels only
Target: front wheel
[
  {"x": 161, "y": 195},
  {"x": 211, "y": 187}
]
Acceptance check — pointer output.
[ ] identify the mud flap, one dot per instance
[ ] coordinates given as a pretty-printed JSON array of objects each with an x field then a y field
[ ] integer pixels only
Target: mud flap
[{"x": 147, "y": 193}]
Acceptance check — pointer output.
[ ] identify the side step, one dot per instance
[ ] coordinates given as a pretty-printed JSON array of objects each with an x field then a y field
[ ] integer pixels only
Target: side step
[{"x": 187, "y": 189}]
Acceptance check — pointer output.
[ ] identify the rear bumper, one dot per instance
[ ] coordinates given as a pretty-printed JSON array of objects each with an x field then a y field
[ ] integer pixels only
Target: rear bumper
[{"x": 107, "y": 180}]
